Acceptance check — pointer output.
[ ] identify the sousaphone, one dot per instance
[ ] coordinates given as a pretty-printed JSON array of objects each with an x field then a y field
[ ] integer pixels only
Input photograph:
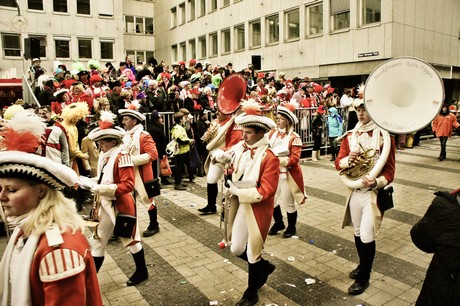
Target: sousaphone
[{"x": 402, "y": 95}]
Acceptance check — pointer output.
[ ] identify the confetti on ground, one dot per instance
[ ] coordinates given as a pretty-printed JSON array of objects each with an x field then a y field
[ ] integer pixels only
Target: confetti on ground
[{"x": 310, "y": 281}]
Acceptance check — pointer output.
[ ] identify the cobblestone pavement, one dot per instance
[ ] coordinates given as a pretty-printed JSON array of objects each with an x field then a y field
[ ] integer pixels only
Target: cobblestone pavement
[{"x": 187, "y": 268}]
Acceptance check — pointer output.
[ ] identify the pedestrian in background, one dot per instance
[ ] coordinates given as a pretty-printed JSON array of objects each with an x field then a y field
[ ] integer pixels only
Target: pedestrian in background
[
  {"x": 442, "y": 128},
  {"x": 335, "y": 130}
]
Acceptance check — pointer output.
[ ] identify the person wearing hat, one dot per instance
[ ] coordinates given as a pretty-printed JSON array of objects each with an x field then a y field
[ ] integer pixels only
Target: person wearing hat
[
  {"x": 48, "y": 232},
  {"x": 287, "y": 145},
  {"x": 362, "y": 207},
  {"x": 115, "y": 185},
  {"x": 143, "y": 152},
  {"x": 36, "y": 66},
  {"x": 78, "y": 94},
  {"x": 256, "y": 170},
  {"x": 335, "y": 130},
  {"x": 317, "y": 132},
  {"x": 194, "y": 101},
  {"x": 156, "y": 96},
  {"x": 94, "y": 90}
]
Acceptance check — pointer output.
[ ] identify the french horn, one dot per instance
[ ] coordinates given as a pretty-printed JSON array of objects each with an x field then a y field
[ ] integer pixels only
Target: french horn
[{"x": 401, "y": 95}]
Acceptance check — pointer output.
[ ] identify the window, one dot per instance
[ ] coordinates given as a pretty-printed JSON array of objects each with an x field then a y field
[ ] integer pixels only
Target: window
[
  {"x": 35, "y": 5},
  {"x": 225, "y": 2},
  {"x": 173, "y": 17},
  {"x": 106, "y": 49},
  {"x": 192, "y": 48},
  {"x": 273, "y": 29},
  {"x": 129, "y": 24},
  {"x": 43, "y": 44},
  {"x": 149, "y": 55},
  {"x": 370, "y": 11},
  {"x": 84, "y": 48},
  {"x": 10, "y": 3},
  {"x": 149, "y": 26},
  {"x": 202, "y": 7},
  {"x": 292, "y": 25},
  {"x": 192, "y": 9},
  {"x": 60, "y": 6},
  {"x": 340, "y": 14},
  {"x": 11, "y": 44},
  {"x": 182, "y": 13},
  {"x": 140, "y": 57},
  {"x": 174, "y": 53},
  {"x": 62, "y": 47},
  {"x": 183, "y": 50},
  {"x": 213, "y": 5},
  {"x": 225, "y": 39},
  {"x": 106, "y": 8},
  {"x": 83, "y": 7},
  {"x": 139, "y": 25},
  {"x": 202, "y": 45},
  {"x": 239, "y": 37},
  {"x": 254, "y": 34},
  {"x": 314, "y": 19},
  {"x": 213, "y": 46}
]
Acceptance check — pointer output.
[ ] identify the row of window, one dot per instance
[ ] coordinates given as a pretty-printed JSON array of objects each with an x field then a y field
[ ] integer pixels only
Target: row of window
[
  {"x": 179, "y": 15},
  {"x": 61, "y": 6},
  {"x": 339, "y": 20},
  {"x": 139, "y": 25},
  {"x": 11, "y": 45}
]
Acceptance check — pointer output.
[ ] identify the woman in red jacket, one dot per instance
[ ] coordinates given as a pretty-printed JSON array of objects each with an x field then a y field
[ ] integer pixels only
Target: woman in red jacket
[{"x": 442, "y": 127}]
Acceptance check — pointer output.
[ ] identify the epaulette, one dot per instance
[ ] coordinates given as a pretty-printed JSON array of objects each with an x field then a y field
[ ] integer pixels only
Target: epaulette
[
  {"x": 237, "y": 127},
  {"x": 60, "y": 264},
  {"x": 295, "y": 134},
  {"x": 145, "y": 132},
  {"x": 297, "y": 142},
  {"x": 125, "y": 160}
]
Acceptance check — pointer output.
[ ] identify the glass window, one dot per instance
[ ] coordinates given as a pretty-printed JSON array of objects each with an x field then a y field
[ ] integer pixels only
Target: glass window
[
  {"x": 43, "y": 44},
  {"x": 254, "y": 34},
  {"x": 139, "y": 25},
  {"x": 149, "y": 26},
  {"x": 225, "y": 2},
  {"x": 140, "y": 57},
  {"x": 173, "y": 17},
  {"x": 83, "y": 7},
  {"x": 106, "y": 8},
  {"x": 192, "y": 48},
  {"x": 292, "y": 25},
  {"x": 62, "y": 48},
  {"x": 183, "y": 50},
  {"x": 174, "y": 53},
  {"x": 60, "y": 6},
  {"x": 213, "y": 45},
  {"x": 11, "y": 44},
  {"x": 35, "y": 5},
  {"x": 340, "y": 14},
  {"x": 371, "y": 11},
  {"x": 239, "y": 38},
  {"x": 84, "y": 48},
  {"x": 213, "y": 5},
  {"x": 149, "y": 55},
  {"x": 10, "y": 3},
  {"x": 202, "y": 44},
  {"x": 202, "y": 7},
  {"x": 106, "y": 49},
  {"x": 192, "y": 9},
  {"x": 182, "y": 13},
  {"x": 129, "y": 24},
  {"x": 273, "y": 29},
  {"x": 226, "y": 45},
  {"x": 314, "y": 19}
]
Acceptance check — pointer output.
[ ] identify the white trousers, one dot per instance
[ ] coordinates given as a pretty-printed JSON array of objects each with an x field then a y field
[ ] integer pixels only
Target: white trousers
[
  {"x": 215, "y": 173},
  {"x": 362, "y": 216},
  {"x": 284, "y": 196},
  {"x": 240, "y": 235}
]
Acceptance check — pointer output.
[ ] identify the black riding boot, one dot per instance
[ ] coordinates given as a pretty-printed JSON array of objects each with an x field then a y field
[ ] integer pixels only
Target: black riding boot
[
  {"x": 265, "y": 268},
  {"x": 279, "y": 224},
  {"x": 141, "y": 273},
  {"x": 250, "y": 296},
  {"x": 153, "y": 227},
  {"x": 291, "y": 229},
  {"x": 212, "y": 197},
  {"x": 365, "y": 266},
  {"x": 98, "y": 260}
]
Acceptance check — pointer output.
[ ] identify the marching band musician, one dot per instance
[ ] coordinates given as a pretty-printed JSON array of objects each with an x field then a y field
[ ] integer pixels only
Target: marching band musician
[
  {"x": 47, "y": 260},
  {"x": 287, "y": 145},
  {"x": 362, "y": 208},
  {"x": 256, "y": 171},
  {"x": 228, "y": 134},
  {"x": 115, "y": 188}
]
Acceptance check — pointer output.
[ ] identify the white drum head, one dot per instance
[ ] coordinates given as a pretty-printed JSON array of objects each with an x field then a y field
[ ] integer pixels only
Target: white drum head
[{"x": 403, "y": 94}]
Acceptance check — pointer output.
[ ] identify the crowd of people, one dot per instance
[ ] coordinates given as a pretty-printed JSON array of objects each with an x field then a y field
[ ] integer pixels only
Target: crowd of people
[{"x": 92, "y": 126}]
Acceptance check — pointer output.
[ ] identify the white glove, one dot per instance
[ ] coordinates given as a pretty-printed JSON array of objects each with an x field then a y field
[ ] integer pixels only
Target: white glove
[
  {"x": 223, "y": 157},
  {"x": 105, "y": 190},
  {"x": 232, "y": 188},
  {"x": 284, "y": 161},
  {"x": 140, "y": 159}
]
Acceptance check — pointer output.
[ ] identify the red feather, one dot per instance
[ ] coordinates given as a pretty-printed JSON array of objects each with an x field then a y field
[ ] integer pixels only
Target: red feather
[
  {"x": 20, "y": 141},
  {"x": 105, "y": 124}
]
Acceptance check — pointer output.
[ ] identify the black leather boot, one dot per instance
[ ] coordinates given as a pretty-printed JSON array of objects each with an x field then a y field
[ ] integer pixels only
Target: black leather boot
[
  {"x": 212, "y": 198},
  {"x": 358, "y": 244},
  {"x": 291, "y": 229},
  {"x": 250, "y": 296},
  {"x": 365, "y": 267},
  {"x": 153, "y": 227},
  {"x": 264, "y": 269},
  {"x": 279, "y": 224},
  {"x": 98, "y": 260},
  {"x": 141, "y": 273}
]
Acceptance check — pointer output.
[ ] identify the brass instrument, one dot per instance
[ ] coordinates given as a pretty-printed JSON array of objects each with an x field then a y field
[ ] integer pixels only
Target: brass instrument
[
  {"x": 361, "y": 166},
  {"x": 211, "y": 132},
  {"x": 93, "y": 220}
]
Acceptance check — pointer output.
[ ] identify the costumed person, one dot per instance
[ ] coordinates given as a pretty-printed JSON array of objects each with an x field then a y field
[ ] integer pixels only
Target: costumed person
[
  {"x": 438, "y": 232},
  {"x": 335, "y": 130},
  {"x": 256, "y": 169},
  {"x": 115, "y": 187},
  {"x": 143, "y": 152},
  {"x": 352, "y": 113},
  {"x": 47, "y": 260},
  {"x": 362, "y": 207},
  {"x": 287, "y": 145},
  {"x": 317, "y": 132},
  {"x": 226, "y": 134},
  {"x": 442, "y": 128}
]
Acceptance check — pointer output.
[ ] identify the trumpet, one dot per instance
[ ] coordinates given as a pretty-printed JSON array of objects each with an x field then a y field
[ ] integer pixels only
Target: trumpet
[
  {"x": 211, "y": 132},
  {"x": 93, "y": 220}
]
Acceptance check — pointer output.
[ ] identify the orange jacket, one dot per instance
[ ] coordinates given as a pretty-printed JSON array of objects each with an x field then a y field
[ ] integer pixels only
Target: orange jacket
[{"x": 442, "y": 125}]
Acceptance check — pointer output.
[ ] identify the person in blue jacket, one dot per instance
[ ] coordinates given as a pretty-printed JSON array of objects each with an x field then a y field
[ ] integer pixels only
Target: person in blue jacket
[{"x": 335, "y": 130}]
